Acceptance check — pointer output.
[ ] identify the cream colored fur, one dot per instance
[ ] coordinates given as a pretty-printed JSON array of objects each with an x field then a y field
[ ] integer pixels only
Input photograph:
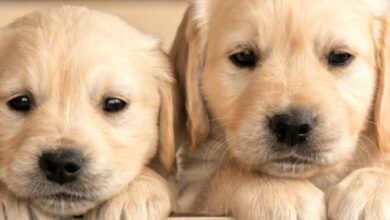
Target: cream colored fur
[
  {"x": 69, "y": 60},
  {"x": 227, "y": 163}
]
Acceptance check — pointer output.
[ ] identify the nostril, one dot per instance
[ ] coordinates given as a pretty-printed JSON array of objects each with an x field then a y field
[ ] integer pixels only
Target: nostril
[
  {"x": 281, "y": 132},
  {"x": 278, "y": 123},
  {"x": 51, "y": 168},
  {"x": 304, "y": 129},
  {"x": 46, "y": 164},
  {"x": 72, "y": 168}
]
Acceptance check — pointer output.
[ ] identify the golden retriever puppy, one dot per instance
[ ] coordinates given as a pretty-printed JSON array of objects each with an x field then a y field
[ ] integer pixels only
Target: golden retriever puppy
[
  {"x": 84, "y": 100},
  {"x": 288, "y": 109}
]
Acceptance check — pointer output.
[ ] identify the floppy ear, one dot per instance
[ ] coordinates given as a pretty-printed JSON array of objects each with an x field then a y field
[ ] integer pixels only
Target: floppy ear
[
  {"x": 382, "y": 106},
  {"x": 168, "y": 122},
  {"x": 187, "y": 54}
]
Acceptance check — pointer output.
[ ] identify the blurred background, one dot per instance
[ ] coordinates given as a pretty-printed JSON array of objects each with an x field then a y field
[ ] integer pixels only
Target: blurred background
[{"x": 160, "y": 18}]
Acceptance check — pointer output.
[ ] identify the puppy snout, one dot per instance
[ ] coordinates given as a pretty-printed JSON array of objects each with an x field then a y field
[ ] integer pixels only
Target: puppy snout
[
  {"x": 61, "y": 166},
  {"x": 292, "y": 128}
]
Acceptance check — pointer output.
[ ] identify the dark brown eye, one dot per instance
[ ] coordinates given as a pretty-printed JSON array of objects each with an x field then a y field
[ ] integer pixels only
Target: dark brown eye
[
  {"x": 113, "y": 105},
  {"x": 339, "y": 58},
  {"x": 20, "y": 103},
  {"x": 244, "y": 59}
]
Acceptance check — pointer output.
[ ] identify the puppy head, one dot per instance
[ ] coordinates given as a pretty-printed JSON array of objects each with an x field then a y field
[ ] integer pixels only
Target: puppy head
[
  {"x": 82, "y": 97},
  {"x": 290, "y": 83}
]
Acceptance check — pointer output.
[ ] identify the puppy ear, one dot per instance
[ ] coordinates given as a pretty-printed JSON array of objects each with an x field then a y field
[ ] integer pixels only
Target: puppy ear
[
  {"x": 382, "y": 106},
  {"x": 168, "y": 122},
  {"x": 188, "y": 54}
]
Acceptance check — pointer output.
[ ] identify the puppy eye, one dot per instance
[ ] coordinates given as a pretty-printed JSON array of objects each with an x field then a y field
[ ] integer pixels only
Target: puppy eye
[
  {"x": 20, "y": 103},
  {"x": 339, "y": 58},
  {"x": 244, "y": 59},
  {"x": 113, "y": 105}
]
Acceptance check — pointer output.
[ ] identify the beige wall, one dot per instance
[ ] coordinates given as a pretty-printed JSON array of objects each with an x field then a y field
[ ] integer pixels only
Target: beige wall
[{"x": 158, "y": 17}]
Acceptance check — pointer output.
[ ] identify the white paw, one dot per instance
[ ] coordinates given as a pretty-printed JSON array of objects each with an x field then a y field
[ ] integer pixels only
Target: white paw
[
  {"x": 364, "y": 194},
  {"x": 279, "y": 199}
]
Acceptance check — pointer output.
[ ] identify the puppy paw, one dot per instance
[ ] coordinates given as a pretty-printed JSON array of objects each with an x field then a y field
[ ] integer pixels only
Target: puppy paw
[
  {"x": 12, "y": 208},
  {"x": 147, "y": 197},
  {"x": 279, "y": 199},
  {"x": 364, "y": 194}
]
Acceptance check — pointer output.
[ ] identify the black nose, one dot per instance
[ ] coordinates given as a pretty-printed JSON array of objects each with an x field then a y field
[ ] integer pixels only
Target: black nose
[
  {"x": 61, "y": 166},
  {"x": 292, "y": 128}
]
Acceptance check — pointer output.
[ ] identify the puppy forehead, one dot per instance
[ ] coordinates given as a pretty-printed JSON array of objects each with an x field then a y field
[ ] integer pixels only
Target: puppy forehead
[
  {"x": 299, "y": 20},
  {"x": 75, "y": 45},
  {"x": 293, "y": 11}
]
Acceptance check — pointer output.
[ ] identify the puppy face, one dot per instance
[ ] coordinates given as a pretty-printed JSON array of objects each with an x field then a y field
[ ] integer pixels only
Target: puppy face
[
  {"x": 309, "y": 65},
  {"x": 290, "y": 83},
  {"x": 79, "y": 107}
]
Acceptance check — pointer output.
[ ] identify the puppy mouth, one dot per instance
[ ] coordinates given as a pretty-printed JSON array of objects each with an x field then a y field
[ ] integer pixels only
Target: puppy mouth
[
  {"x": 64, "y": 204},
  {"x": 294, "y": 160},
  {"x": 66, "y": 197}
]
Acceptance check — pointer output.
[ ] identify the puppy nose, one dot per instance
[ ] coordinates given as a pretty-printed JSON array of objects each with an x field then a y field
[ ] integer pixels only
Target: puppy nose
[
  {"x": 61, "y": 166},
  {"x": 292, "y": 128}
]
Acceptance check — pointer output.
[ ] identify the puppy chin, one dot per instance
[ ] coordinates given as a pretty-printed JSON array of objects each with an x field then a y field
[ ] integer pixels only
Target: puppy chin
[
  {"x": 64, "y": 207},
  {"x": 295, "y": 167}
]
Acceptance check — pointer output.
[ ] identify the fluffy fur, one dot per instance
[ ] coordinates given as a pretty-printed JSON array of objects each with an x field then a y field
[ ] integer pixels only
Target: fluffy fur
[
  {"x": 229, "y": 164},
  {"x": 69, "y": 60}
]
